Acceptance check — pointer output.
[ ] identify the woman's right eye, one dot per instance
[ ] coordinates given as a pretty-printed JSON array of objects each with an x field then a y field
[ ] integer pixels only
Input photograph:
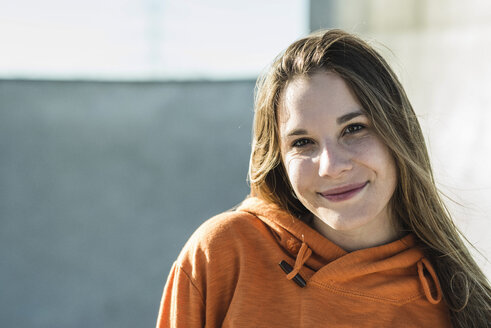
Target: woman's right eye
[{"x": 301, "y": 143}]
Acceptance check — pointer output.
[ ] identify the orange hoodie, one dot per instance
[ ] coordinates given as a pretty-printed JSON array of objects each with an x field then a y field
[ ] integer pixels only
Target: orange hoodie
[{"x": 228, "y": 275}]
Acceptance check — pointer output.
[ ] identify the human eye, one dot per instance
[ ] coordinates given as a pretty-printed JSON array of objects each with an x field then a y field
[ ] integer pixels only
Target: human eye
[
  {"x": 354, "y": 128},
  {"x": 302, "y": 142}
]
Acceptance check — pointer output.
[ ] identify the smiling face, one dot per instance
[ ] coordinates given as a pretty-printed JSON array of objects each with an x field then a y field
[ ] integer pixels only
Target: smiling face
[{"x": 339, "y": 168}]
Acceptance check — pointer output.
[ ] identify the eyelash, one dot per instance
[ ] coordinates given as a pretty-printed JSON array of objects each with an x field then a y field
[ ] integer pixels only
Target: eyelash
[
  {"x": 350, "y": 129},
  {"x": 357, "y": 127},
  {"x": 301, "y": 142}
]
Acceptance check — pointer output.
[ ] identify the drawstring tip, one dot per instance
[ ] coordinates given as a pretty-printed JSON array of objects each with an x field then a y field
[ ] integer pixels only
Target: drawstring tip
[{"x": 287, "y": 268}]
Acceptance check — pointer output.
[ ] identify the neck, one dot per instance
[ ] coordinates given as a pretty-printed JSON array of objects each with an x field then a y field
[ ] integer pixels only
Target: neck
[{"x": 376, "y": 234}]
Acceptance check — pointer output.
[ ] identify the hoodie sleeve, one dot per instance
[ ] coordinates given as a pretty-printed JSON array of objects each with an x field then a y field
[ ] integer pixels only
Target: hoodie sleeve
[{"x": 182, "y": 304}]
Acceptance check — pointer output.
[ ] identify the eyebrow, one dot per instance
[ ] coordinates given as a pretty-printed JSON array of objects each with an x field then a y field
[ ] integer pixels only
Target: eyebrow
[
  {"x": 340, "y": 120},
  {"x": 297, "y": 132},
  {"x": 345, "y": 118}
]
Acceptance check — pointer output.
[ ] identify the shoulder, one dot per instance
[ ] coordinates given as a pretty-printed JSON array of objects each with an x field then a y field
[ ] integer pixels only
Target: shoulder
[
  {"x": 222, "y": 237},
  {"x": 219, "y": 248},
  {"x": 226, "y": 225}
]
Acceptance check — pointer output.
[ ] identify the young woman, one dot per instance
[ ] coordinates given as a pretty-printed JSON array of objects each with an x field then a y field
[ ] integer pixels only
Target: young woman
[{"x": 344, "y": 226}]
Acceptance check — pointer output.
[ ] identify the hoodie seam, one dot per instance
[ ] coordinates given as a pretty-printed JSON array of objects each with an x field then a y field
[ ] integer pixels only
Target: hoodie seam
[
  {"x": 369, "y": 296},
  {"x": 192, "y": 283}
]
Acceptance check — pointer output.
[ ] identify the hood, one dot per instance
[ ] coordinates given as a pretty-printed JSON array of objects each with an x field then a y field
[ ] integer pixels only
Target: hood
[{"x": 396, "y": 272}]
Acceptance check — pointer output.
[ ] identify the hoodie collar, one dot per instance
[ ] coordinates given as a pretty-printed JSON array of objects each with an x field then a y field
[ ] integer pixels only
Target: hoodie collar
[
  {"x": 333, "y": 264},
  {"x": 291, "y": 232}
]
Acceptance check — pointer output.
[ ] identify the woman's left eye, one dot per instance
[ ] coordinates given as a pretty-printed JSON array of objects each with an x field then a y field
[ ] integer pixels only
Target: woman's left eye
[{"x": 353, "y": 128}]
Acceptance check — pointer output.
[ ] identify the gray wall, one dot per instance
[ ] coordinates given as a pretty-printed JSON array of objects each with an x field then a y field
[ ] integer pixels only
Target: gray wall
[{"x": 101, "y": 184}]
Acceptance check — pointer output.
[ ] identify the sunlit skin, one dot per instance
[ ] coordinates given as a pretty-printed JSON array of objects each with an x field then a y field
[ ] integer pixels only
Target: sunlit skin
[{"x": 338, "y": 167}]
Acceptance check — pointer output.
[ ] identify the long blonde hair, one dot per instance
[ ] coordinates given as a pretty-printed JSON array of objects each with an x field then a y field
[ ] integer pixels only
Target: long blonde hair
[{"x": 416, "y": 202}]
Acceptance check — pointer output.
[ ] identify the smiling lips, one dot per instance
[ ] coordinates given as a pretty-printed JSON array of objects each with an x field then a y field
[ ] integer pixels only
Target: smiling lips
[{"x": 344, "y": 192}]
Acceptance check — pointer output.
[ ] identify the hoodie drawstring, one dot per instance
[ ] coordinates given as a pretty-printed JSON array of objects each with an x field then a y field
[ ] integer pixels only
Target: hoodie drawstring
[
  {"x": 422, "y": 264},
  {"x": 292, "y": 273},
  {"x": 302, "y": 257}
]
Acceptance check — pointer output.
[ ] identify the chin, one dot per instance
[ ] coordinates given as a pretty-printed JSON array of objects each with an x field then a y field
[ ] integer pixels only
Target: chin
[{"x": 339, "y": 222}]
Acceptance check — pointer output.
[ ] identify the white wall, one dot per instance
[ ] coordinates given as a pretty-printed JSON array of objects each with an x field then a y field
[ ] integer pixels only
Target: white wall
[{"x": 440, "y": 50}]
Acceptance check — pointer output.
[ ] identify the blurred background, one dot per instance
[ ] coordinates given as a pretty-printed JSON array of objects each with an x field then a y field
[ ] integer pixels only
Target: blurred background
[{"x": 125, "y": 124}]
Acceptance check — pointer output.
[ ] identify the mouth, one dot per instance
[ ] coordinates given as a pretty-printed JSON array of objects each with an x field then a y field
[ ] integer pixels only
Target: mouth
[{"x": 344, "y": 192}]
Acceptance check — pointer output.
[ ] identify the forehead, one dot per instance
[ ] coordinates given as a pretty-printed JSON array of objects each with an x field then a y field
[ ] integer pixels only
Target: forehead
[{"x": 319, "y": 97}]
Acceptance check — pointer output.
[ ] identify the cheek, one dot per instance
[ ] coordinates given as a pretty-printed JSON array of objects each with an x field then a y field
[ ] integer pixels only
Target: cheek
[
  {"x": 391, "y": 172},
  {"x": 374, "y": 152},
  {"x": 383, "y": 163},
  {"x": 299, "y": 172}
]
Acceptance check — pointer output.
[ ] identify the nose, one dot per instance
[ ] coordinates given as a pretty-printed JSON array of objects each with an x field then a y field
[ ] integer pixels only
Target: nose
[{"x": 334, "y": 161}]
